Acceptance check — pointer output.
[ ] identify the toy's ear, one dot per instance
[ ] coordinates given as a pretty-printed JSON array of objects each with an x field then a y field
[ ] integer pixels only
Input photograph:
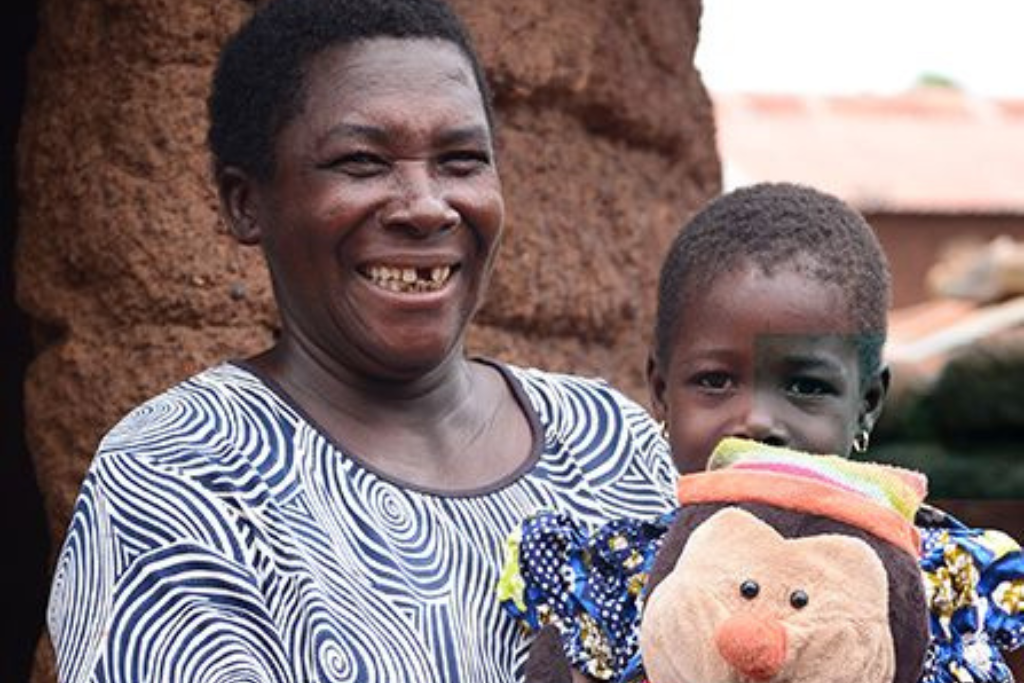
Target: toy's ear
[
  {"x": 237, "y": 192},
  {"x": 689, "y": 518}
]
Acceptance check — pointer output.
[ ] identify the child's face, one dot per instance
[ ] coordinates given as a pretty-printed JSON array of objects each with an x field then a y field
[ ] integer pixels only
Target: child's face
[{"x": 769, "y": 358}]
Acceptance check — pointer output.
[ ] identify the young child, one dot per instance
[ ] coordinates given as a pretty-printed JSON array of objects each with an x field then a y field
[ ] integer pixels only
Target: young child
[{"x": 772, "y": 313}]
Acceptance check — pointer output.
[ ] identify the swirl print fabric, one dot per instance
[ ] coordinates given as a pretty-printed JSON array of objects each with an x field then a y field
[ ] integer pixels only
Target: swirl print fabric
[{"x": 220, "y": 536}]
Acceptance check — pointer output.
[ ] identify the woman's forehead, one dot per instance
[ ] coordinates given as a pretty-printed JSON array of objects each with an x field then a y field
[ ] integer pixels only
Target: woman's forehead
[
  {"x": 391, "y": 83},
  {"x": 396, "y": 60},
  {"x": 390, "y": 67}
]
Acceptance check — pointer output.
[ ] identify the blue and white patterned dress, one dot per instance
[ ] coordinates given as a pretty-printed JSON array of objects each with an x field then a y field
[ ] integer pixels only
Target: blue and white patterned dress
[{"x": 221, "y": 536}]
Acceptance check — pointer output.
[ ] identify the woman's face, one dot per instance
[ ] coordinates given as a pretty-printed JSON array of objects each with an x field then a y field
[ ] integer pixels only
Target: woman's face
[
  {"x": 382, "y": 219},
  {"x": 768, "y": 358}
]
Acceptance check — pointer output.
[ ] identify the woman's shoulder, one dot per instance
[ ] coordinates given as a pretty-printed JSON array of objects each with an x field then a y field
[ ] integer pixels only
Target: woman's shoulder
[
  {"x": 551, "y": 382},
  {"x": 191, "y": 458},
  {"x": 604, "y": 438},
  {"x": 220, "y": 403},
  {"x": 559, "y": 394}
]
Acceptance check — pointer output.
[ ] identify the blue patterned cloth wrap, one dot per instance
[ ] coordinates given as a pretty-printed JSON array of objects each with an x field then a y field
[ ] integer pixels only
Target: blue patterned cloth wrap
[
  {"x": 974, "y": 582},
  {"x": 589, "y": 586}
]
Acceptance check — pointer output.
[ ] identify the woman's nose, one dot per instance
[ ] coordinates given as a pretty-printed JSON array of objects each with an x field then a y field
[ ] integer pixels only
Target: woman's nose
[{"x": 419, "y": 205}]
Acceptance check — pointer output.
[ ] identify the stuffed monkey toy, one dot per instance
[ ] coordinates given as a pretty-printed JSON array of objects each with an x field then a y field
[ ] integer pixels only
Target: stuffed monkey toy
[
  {"x": 788, "y": 567},
  {"x": 780, "y": 567}
]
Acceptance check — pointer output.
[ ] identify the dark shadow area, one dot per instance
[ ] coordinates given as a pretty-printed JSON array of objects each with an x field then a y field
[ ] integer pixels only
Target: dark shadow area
[{"x": 24, "y": 565}]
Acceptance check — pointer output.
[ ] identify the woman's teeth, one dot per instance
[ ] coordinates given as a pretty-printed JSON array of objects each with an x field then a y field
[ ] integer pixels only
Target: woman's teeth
[{"x": 409, "y": 279}]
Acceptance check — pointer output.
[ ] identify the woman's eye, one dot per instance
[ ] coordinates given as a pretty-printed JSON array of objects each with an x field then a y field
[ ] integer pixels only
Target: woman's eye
[
  {"x": 713, "y": 381},
  {"x": 464, "y": 162},
  {"x": 810, "y": 386},
  {"x": 359, "y": 164}
]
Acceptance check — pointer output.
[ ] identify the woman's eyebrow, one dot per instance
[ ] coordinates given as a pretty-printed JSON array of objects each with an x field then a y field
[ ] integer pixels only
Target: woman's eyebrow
[
  {"x": 472, "y": 134},
  {"x": 361, "y": 131},
  {"x": 457, "y": 135}
]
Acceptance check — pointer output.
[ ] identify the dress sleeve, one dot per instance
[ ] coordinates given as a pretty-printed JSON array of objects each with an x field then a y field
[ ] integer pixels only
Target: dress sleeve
[
  {"x": 974, "y": 583},
  {"x": 590, "y": 586},
  {"x": 138, "y": 595}
]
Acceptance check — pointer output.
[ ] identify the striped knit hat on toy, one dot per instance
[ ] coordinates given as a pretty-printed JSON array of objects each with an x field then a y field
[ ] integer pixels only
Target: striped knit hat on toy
[{"x": 881, "y": 499}]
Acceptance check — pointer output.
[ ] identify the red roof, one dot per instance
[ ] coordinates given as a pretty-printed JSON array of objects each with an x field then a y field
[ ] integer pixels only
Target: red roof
[{"x": 929, "y": 150}]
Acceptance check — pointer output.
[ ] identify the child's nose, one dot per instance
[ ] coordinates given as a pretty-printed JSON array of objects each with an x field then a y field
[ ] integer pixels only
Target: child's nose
[{"x": 757, "y": 421}]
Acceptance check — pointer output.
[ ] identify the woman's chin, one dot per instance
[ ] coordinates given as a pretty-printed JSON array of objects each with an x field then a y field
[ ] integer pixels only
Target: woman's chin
[{"x": 411, "y": 355}]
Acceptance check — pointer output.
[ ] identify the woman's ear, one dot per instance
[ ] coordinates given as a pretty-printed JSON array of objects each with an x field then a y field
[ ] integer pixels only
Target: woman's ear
[
  {"x": 874, "y": 398},
  {"x": 656, "y": 386},
  {"x": 235, "y": 189}
]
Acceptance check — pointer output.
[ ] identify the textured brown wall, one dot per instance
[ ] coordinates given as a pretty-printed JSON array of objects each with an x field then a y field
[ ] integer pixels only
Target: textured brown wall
[{"x": 606, "y": 145}]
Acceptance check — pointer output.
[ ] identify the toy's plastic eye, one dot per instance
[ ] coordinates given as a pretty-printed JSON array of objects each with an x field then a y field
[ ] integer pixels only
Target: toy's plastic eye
[
  {"x": 749, "y": 589},
  {"x": 798, "y": 599}
]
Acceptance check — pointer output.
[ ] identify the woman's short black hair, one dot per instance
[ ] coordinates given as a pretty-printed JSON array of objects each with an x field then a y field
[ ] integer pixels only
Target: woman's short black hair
[
  {"x": 779, "y": 224},
  {"x": 259, "y": 81}
]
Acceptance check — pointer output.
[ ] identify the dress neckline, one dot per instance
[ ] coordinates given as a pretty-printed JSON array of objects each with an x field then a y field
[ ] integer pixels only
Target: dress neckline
[{"x": 506, "y": 480}]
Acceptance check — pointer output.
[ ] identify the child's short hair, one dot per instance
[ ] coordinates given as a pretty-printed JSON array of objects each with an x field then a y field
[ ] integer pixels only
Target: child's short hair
[{"x": 768, "y": 225}]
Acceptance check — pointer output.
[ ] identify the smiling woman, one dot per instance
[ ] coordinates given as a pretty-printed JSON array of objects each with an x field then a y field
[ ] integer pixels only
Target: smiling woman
[
  {"x": 334, "y": 508},
  {"x": 391, "y": 172}
]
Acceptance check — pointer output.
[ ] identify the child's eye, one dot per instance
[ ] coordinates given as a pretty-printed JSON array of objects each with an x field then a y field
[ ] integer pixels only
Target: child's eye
[
  {"x": 464, "y": 162},
  {"x": 713, "y": 381},
  {"x": 359, "y": 164},
  {"x": 810, "y": 387}
]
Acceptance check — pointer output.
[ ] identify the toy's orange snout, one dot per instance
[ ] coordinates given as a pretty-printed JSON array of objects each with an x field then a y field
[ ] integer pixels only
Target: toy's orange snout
[{"x": 755, "y": 646}]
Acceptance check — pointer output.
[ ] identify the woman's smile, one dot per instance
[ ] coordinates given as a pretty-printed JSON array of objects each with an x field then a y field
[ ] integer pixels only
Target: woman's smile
[{"x": 408, "y": 279}]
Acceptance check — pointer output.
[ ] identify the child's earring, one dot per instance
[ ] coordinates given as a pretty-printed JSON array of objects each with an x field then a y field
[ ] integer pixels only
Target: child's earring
[
  {"x": 861, "y": 441},
  {"x": 663, "y": 428}
]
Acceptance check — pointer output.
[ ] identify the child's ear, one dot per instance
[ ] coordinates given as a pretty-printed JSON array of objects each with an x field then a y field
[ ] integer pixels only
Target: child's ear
[
  {"x": 235, "y": 189},
  {"x": 656, "y": 386},
  {"x": 874, "y": 398}
]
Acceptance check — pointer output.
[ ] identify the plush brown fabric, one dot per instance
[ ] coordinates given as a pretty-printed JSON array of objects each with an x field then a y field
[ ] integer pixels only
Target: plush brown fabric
[
  {"x": 547, "y": 662},
  {"x": 698, "y": 626}
]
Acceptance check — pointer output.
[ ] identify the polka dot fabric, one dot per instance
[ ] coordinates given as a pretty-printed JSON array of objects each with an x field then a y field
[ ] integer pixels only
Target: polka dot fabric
[{"x": 589, "y": 585}]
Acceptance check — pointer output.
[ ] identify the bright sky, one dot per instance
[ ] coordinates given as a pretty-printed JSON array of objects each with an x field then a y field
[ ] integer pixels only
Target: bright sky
[{"x": 843, "y": 46}]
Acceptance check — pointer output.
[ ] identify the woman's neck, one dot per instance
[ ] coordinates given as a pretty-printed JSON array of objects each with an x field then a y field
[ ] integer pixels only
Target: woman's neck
[
  {"x": 453, "y": 429},
  {"x": 325, "y": 387}
]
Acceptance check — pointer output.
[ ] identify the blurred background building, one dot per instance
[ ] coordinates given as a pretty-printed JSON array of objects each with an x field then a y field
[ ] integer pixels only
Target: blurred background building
[{"x": 931, "y": 167}]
